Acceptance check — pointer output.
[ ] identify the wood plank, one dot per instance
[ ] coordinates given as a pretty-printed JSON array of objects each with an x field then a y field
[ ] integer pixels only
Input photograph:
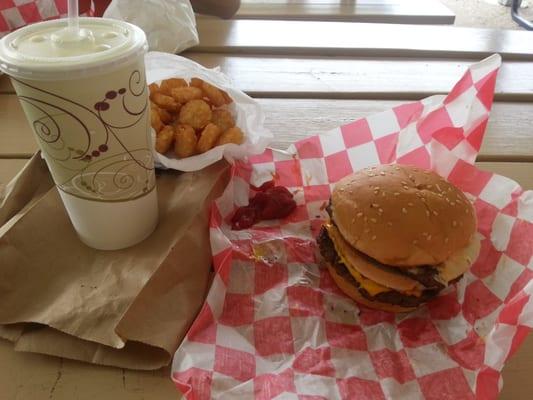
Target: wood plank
[
  {"x": 359, "y": 39},
  {"x": 40, "y": 377},
  {"x": 377, "y": 11},
  {"x": 508, "y": 138},
  {"x": 520, "y": 172},
  {"x": 377, "y": 78}
]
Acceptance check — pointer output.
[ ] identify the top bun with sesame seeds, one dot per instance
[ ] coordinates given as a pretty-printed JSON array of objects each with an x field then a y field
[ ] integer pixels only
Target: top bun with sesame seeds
[{"x": 402, "y": 216}]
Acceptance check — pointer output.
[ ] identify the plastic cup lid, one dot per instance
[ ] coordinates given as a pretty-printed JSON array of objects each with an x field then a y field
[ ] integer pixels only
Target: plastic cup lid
[{"x": 50, "y": 51}]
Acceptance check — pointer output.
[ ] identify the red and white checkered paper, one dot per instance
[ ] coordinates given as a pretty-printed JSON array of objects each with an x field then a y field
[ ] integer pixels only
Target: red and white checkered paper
[
  {"x": 15, "y": 14},
  {"x": 275, "y": 325}
]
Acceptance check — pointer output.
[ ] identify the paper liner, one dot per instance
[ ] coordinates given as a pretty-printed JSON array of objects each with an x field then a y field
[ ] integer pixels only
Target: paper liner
[{"x": 276, "y": 326}]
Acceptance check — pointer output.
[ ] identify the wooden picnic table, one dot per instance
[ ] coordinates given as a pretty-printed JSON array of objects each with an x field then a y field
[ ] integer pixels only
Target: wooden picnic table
[{"x": 309, "y": 76}]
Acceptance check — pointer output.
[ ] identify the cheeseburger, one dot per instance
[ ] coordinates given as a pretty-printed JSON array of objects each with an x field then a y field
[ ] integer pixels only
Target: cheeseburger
[{"x": 397, "y": 235}]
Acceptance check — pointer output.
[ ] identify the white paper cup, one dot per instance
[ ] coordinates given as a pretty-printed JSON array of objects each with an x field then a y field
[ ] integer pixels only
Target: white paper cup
[{"x": 85, "y": 97}]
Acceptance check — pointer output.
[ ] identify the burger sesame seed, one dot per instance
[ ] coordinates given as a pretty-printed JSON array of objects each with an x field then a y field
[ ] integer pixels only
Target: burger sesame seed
[
  {"x": 411, "y": 177},
  {"x": 396, "y": 193},
  {"x": 452, "y": 203},
  {"x": 449, "y": 188},
  {"x": 428, "y": 237},
  {"x": 382, "y": 194},
  {"x": 428, "y": 186},
  {"x": 415, "y": 241},
  {"x": 458, "y": 201},
  {"x": 373, "y": 220},
  {"x": 397, "y": 168},
  {"x": 359, "y": 214},
  {"x": 423, "y": 199},
  {"x": 446, "y": 240},
  {"x": 406, "y": 187},
  {"x": 467, "y": 210},
  {"x": 404, "y": 210},
  {"x": 353, "y": 220},
  {"x": 380, "y": 210},
  {"x": 389, "y": 223},
  {"x": 374, "y": 205},
  {"x": 440, "y": 195},
  {"x": 374, "y": 237},
  {"x": 435, "y": 213},
  {"x": 424, "y": 233},
  {"x": 410, "y": 204},
  {"x": 438, "y": 187},
  {"x": 447, "y": 200},
  {"x": 427, "y": 213},
  {"x": 382, "y": 173},
  {"x": 454, "y": 223},
  {"x": 376, "y": 188},
  {"x": 404, "y": 183}
]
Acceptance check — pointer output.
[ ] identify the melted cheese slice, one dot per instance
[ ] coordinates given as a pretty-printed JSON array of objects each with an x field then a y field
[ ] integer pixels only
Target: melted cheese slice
[{"x": 370, "y": 286}]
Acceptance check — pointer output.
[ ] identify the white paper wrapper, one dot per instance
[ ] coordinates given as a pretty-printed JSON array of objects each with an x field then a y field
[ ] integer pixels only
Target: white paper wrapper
[
  {"x": 248, "y": 113},
  {"x": 169, "y": 24}
]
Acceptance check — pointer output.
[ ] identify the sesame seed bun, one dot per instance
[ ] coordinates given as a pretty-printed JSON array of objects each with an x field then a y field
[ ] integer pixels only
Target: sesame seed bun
[
  {"x": 352, "y": 292},
  {"x": 402, "y": 216}
]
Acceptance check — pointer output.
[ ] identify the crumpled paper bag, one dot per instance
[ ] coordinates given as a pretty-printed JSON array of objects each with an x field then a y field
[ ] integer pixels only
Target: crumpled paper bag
[
  {"x": 275, "y": 325},
  {"x": 128, "y": 308},
  {"x": 170, "y": 25}
]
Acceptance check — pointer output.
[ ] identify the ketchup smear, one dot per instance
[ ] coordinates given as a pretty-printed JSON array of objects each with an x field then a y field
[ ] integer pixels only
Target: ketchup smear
[{"x": 270, "y": 202}]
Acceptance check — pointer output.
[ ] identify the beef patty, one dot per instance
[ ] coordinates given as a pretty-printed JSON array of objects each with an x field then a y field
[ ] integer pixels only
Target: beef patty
[{"x": 327, "y": 249}]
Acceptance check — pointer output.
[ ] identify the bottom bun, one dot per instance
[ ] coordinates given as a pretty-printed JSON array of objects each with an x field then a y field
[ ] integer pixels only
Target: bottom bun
[{"x": 352, "y": 292}]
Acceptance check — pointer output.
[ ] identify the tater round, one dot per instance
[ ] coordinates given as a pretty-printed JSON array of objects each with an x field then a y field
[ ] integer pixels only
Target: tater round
[
  {"x": 166, "y": 116},
  {"x": 184, "y": 141},
  {"x": 168, "y": 84},
  {"x": 196, "y": 82},
  {"x": 184, "y": 94},
  {"x": 153, "y": 88},
  {"x": 195, "y": 113},
  {"x": 164, "y": 139},
  {"x": 232, "y": 135},
  {"x": 223, "y": 119},
  {"x": 208, "y": 138},
  {"x": 214, "y": 94},
  {"x": 164, "y": 101},
  {"x": 155, "y": 120}
]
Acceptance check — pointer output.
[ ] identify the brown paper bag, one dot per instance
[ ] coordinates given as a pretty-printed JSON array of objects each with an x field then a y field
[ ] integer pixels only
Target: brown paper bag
[{"x": 129, "y": 308}]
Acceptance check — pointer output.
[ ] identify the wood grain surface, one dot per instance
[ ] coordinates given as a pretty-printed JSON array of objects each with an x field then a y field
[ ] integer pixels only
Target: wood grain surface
[
  {"x": 508, "y": 137},
  {"x": 385, "y": 11},
  {"x": 358, "y": 39},
  {"x": 337, "y": 77}
]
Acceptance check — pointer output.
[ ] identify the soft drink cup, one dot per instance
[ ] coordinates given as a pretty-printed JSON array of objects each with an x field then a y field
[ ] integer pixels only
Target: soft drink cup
[{"x": 84, "y": 94}]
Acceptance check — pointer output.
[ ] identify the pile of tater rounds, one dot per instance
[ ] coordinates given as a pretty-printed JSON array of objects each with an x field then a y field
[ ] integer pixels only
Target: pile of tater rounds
[{"x": 191, "y": 118}]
